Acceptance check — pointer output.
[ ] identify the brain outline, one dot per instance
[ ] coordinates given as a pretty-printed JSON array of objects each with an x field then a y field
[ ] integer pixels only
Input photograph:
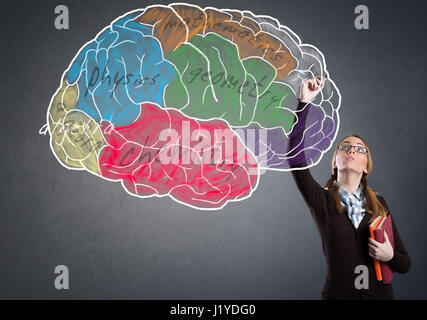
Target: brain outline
[{"x": 266, "y": 23}]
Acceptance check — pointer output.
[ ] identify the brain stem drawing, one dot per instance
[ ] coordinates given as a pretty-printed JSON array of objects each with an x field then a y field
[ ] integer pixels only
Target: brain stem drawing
[{"x": 189, "y": 103}]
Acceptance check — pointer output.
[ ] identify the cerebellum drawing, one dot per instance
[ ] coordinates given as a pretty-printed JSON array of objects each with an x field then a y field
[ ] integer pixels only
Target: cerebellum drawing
[{"x": 189, "y": 103}]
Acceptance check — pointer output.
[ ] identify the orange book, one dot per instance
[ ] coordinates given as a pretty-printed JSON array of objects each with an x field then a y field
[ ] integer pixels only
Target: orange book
[{"x": 374, "y": 224}]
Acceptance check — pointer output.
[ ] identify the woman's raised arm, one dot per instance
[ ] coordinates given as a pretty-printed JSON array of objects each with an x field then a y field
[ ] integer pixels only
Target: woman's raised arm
[{"x": 309, "y": 188}]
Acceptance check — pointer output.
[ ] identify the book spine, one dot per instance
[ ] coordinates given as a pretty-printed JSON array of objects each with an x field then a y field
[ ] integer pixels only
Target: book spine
[{"x": 376, "y": 262}]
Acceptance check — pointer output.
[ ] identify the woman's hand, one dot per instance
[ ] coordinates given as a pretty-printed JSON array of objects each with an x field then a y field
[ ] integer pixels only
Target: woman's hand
[
  {"x": 381, "y": 251},
  {"x": 310, "y": 88}
]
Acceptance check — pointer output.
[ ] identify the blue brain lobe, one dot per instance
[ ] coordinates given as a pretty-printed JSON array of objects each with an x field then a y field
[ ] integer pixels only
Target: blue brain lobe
[{"x": 118, "y": 70}]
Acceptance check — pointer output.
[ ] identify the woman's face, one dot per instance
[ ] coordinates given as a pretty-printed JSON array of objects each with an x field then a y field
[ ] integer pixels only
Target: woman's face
[{"x": 351, "y": 159}]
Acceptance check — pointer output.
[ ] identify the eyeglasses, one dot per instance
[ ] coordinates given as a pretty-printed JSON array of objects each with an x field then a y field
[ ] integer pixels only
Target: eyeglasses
[{"x": 347, "y": 147}]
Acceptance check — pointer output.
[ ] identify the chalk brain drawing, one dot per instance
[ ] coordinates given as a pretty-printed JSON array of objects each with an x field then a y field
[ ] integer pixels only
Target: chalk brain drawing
[{"x": 189, "y": 103}]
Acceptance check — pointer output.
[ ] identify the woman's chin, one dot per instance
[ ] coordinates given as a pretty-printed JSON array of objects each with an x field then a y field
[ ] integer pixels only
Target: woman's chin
[{"x": 350, "y": 168}]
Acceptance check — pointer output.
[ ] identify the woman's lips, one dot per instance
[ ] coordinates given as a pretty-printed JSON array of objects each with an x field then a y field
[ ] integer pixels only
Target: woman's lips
[{"x": 350, "y": 158}]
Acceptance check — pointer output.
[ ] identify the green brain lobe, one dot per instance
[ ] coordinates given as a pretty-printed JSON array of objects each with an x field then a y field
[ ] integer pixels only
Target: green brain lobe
[{"x": 214, "y": 82}]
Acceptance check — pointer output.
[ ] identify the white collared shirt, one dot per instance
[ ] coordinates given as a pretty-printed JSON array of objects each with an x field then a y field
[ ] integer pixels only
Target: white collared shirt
[{"x": 354, "y": 202}]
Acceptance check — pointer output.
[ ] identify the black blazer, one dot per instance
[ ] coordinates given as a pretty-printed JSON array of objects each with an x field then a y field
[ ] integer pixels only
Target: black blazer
[{"x": 344, "y": 246}]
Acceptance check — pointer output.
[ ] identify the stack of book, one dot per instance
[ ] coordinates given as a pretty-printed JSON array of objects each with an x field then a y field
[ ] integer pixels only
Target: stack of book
[{"x": 377, "y": 228}]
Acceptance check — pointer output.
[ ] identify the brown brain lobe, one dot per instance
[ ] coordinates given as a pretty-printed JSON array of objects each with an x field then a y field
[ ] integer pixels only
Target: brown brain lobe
[{"x": 178, "y": 23}]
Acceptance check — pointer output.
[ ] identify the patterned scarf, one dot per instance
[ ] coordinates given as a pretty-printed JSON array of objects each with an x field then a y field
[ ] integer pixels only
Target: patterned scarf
[{"x": 355, "y": 204}]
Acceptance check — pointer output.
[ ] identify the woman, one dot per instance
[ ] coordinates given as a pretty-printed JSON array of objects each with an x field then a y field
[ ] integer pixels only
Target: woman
[{"x": 343, "y": 210}]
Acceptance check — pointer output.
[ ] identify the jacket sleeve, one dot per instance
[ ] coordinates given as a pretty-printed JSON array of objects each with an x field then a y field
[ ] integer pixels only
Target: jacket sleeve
[
  {"x": 311, "y": 190},
  {"x": 401, "y": 262}
]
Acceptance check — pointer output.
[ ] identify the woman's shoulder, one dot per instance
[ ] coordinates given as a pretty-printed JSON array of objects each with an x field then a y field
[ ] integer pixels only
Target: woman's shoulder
[
  {"x": 382, "y": 200},
  {"x": 377, "y": 194}
]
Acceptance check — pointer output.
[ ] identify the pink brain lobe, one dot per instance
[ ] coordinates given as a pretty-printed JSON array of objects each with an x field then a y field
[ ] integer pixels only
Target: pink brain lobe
[{"x": 199, "y": 163}]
